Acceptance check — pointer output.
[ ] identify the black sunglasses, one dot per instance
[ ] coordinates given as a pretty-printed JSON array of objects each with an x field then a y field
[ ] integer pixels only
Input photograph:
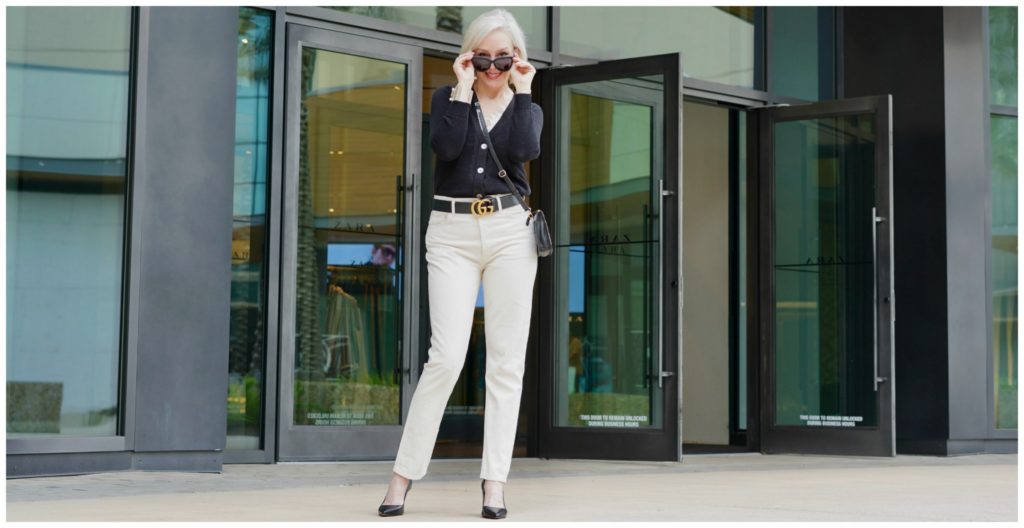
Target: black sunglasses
[{"x": 483, "y": 63}]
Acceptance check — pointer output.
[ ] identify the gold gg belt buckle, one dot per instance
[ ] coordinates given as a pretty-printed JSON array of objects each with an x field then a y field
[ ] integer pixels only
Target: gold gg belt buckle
[{"x": 482, "y": 207}]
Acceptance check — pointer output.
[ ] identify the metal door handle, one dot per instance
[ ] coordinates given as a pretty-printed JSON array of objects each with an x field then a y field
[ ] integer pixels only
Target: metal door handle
[
  {"x": 662, "y": 374},
  {"x": 875, "y": 219},
  {"x": 661, "y": 288}
]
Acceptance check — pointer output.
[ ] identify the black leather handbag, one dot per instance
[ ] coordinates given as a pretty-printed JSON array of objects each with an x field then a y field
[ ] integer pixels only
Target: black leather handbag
[{"x": 540, "y": 224}]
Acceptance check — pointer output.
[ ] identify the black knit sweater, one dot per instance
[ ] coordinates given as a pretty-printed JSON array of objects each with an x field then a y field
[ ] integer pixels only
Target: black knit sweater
[{"x": 461, "y": 151}]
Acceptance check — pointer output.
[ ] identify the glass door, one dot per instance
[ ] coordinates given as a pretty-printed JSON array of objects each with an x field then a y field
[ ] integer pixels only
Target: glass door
[
  {"x": 827, "y": 296},
  {"x": 352, "y": 105},
  {"x": 608, "y": 311}
]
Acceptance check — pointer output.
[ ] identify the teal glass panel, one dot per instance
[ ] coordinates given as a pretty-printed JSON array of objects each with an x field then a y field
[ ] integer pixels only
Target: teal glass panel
[
  {"x": 1004, "y": 268},
  {"x": 606, "y": 254},
  {"x": 823, "y": 293},
  {"x": 454, "y": 19},
  {"x": 802, "y": 52},
  {"x": 67, "y": 124},
  {"x": 718, "y": 43},
  {"x": 247, "y": 345},
  {"x": 349, "y": 263},
  {"x": 1002, "y": 58}
]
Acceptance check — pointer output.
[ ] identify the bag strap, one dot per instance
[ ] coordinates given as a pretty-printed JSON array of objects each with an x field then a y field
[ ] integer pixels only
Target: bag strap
[{"x": 494, "y": 155}]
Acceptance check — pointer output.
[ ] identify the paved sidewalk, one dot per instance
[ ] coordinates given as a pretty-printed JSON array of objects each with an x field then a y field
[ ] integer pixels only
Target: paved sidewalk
[{"x": 734, "y": 487}]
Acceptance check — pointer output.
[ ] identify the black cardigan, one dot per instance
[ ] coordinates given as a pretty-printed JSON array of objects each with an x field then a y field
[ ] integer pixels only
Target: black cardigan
[{"x": 460, "y": 149}]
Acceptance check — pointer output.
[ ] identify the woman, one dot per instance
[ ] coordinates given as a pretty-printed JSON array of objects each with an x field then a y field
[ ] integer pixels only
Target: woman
[{"x": 477, "y": 232}]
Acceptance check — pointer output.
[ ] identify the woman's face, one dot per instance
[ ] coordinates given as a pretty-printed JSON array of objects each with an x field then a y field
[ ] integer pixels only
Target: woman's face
[{"x": 496, "y": 44}]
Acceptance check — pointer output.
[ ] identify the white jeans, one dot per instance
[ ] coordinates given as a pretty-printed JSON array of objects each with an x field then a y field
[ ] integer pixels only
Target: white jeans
[{"x": 462, "y": 250}]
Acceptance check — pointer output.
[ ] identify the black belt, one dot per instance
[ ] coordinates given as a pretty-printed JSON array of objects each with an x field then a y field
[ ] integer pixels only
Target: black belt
[{"x": 481, "y": 207}]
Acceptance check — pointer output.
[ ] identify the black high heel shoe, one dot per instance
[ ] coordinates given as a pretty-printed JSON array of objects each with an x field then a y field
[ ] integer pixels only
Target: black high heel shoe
[
  {"x": 388, "y": 510},
  {"x": 490, "y": 512}
]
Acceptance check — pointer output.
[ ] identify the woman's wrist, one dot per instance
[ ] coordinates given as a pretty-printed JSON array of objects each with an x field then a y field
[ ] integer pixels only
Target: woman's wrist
[
  {"x": 522, "y": 89},
  {"x": 463, "y": 91}
]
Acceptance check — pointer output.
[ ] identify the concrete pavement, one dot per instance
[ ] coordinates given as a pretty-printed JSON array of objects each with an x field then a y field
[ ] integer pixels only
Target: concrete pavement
[{"x": 733, "y": 487}]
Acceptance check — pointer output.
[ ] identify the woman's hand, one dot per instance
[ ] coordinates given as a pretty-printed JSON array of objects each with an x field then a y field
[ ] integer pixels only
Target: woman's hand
[
  {"x": 463, "y": 68},
  {"x": 522, "y": 74}
]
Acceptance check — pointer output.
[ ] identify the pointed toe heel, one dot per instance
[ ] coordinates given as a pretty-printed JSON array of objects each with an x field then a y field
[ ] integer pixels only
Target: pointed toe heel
[
  {"x": 390, "y": 510},
  {"x": 490, "y": 512}
]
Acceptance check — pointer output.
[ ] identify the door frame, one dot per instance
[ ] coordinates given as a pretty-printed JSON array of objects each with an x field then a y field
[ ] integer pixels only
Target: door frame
[
  {"x": 763, "y": 435},
  {"x": 615, "y": 443},
  {"x": 344, "y": 442}
]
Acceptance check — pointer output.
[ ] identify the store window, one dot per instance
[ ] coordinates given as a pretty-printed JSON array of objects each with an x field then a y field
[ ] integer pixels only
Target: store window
[
  {"x": 247, "y": 346},
  {"x": 1002, "y": 33},
  {"x": 67, "y": 120},
  {"x": 454, "y": 19},
  {"x": 1002, "y": 24},
  {"x": 802, "y": 52},
  {"x": 350, "y": 234},
  {"x": 719, "y": 44}
]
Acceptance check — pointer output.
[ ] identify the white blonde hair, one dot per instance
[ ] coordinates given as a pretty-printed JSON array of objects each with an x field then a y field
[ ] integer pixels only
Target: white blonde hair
[{"x": 489, "y": 21}]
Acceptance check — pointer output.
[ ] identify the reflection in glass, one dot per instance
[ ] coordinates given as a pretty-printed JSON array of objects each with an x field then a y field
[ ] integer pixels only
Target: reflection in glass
[
  {"x": 246, "y": 352},
  {"x": 607, "y": 254},
  {"x": 1004, "y": 268},
  {"x": 823, "y": 272},
  {"x": 348, "y": 307},
  {"x": 803, "y": 52},
  {"x": 67, "y": 121},
  {"x": 1002, "y": 39},
  {"x": 718, "y": 43},
  {"x": 454, "y": 19}
]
